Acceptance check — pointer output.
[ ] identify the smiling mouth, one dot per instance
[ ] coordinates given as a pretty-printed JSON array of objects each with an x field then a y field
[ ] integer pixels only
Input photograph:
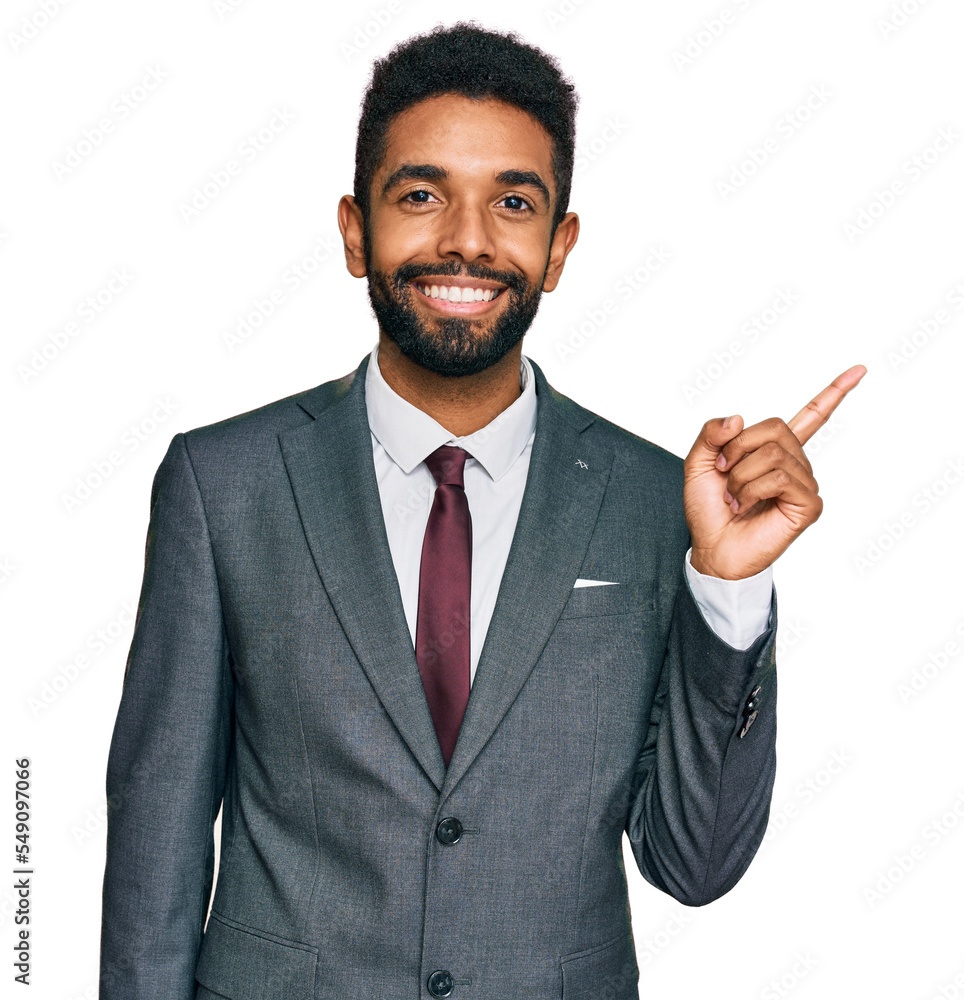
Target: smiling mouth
[{"x": 457, "y": 293}]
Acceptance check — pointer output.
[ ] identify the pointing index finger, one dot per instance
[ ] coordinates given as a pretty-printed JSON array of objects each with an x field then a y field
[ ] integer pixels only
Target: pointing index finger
[{"x": 817, "y": 412}]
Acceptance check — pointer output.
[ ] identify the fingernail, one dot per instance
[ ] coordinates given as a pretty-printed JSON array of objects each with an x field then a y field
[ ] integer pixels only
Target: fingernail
[
  {"x": 721, "y": 461},
  {"x": 735, "y": 506},
  {"x": 727, "y": 422},
  {"x": 727, "y": 499}
]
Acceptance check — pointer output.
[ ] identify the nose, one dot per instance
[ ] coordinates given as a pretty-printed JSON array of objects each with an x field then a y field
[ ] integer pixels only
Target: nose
[{"x": 466, "y": 231}]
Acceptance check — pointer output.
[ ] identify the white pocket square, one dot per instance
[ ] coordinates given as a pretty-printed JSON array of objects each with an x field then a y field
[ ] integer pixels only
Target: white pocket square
[{"x": 595, "y": 583}]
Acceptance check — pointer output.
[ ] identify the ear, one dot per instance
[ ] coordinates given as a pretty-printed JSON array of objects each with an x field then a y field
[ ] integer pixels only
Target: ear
[
  {"x": 564, "y": 239},
  {"x": 352, "y": 232}
]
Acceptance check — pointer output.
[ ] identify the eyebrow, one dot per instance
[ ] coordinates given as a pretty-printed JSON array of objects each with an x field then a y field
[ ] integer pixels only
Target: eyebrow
[
  {"x": 524, "y": 178},
  {"x": 432, "y": 172},
  {"x": 414, "y": 172}
]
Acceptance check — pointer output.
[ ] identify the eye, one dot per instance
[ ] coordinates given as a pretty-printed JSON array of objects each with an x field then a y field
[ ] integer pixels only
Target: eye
[
  {"x": 418, "y": 197},
  {"x": 515, "y": 203}
]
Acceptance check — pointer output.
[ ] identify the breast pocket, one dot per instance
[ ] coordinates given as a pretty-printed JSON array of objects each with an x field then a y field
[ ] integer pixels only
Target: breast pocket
[{"x": 609, "y": 599}]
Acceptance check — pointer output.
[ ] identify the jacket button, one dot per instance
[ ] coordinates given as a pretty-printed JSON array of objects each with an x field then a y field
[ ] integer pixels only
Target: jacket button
[
  {"x": 747, "y": 722},
  {"x": 441, "y": 983},
  {"x": 449, "y": 831},
  {"x": 753, "y": 702}
]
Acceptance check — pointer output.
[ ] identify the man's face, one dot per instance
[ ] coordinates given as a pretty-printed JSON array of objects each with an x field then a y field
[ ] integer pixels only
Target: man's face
[{"x": 460, "y": 231}]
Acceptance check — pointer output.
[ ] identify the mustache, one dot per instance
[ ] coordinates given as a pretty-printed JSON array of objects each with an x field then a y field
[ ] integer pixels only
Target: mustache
[{"x": 453, "y": 269}]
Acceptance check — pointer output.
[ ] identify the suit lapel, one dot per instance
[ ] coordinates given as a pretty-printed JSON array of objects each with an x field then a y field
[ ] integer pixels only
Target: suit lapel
[
  {"x": 332, "y": 474},
  {"x": 564, "y": 489}
]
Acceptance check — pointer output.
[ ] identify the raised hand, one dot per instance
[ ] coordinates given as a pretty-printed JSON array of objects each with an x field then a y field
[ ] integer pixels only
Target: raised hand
[{"x": 749, "y": 492}]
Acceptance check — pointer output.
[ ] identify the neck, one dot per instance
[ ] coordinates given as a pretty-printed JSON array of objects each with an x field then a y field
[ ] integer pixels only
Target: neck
[{"x": 462, "y": 404}]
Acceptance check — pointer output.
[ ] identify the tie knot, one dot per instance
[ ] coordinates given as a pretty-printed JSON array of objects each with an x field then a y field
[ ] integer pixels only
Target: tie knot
[{"x": 446, "y": 465}]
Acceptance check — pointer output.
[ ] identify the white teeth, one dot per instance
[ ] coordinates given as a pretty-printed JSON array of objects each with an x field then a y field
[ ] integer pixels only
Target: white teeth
[{"x": 456, "y": 293}]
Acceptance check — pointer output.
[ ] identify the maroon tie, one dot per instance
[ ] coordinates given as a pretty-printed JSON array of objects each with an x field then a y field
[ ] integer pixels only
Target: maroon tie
[{"x": 444, "y": 587}]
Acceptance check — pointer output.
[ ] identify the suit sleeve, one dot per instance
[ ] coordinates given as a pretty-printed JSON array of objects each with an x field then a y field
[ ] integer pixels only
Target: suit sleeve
[
  {"x": 168, "y": 755},
  {"x": 702, "y": 792}
]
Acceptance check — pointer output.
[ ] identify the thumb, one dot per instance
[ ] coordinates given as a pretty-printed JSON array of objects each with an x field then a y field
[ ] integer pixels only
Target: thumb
[{"x": 714, "y": 435}]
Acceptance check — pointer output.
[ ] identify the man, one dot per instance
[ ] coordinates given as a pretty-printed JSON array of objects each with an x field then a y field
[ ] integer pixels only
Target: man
[{"x": 431, "y": 635}]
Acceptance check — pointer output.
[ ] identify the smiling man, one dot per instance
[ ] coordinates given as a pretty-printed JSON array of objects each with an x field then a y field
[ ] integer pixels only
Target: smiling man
[
  {"x": 466, "y": 323},
  {"x": 433, "y": 637}
]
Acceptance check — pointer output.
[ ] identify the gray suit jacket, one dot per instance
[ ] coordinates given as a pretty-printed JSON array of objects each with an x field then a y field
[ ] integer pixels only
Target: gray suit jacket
[{"x": 272, "y": 670}]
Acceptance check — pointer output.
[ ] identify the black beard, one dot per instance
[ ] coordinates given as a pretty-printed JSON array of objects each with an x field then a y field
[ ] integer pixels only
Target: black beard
[{"x": 456, "y": 346}]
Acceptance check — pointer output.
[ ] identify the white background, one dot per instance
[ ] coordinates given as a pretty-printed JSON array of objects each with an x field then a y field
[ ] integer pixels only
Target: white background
[{"x": 868, "y": 772}]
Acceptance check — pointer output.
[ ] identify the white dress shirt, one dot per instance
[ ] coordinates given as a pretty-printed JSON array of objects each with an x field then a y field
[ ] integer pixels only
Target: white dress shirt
[{"x": 495, "y": 477}]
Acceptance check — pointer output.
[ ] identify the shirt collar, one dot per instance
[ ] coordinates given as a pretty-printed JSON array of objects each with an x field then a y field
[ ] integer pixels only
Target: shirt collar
[{"x": 409, "y": 434}]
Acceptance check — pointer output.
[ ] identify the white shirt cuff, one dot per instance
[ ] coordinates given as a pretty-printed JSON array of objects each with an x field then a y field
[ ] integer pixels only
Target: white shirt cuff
[{"x": 736, "y": 610}]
